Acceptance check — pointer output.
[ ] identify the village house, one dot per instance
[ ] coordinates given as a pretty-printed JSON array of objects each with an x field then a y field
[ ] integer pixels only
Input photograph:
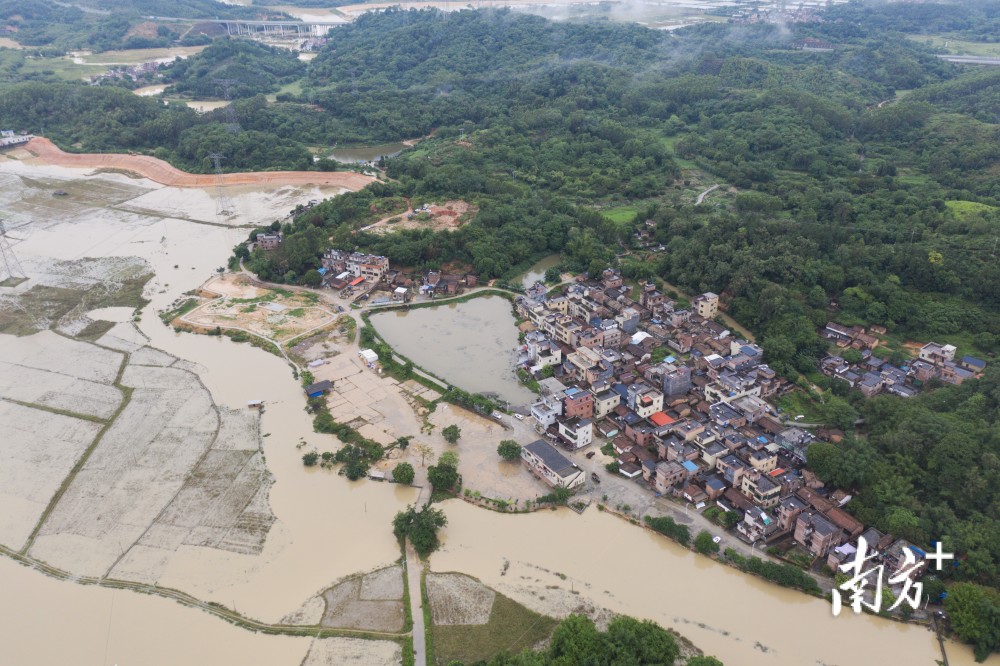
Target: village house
[
  {"x": 552, "y": 467},
  {"x": 756, "y": 525},
  {"x": 788, "y": 512},
  {"x": 369, "y": 266},
  {"x": 759, "y": 487},
  {"x": 644, "y": 400},
  {"x": 816, "y": 534},
  {"x": 268, "y": 241},
  {"x": 936, "y": 354},
  {"x": 605, "y": 400},
  {"x": 576, "y": 432},
  {"x": 668, "y": 475},
  {"x": 706, "y": 305},
  {"x": 578, "y": 403}
]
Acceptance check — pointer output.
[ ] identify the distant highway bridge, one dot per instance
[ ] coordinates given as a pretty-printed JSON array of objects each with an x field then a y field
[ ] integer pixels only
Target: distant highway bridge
[
  {"x": 250, "y": 27},
  {"x": 971, "y": 60}
]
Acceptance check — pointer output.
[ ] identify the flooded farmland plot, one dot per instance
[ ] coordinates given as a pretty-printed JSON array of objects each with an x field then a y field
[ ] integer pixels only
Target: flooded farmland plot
[{"x": 373, "y": 602}]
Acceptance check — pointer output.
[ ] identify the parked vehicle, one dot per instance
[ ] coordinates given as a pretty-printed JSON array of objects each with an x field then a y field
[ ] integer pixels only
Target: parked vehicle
[
  {"x": 591, "y": 454},
  {"x": 594, "y": 477},
  {"x": 519, "y": 417}
]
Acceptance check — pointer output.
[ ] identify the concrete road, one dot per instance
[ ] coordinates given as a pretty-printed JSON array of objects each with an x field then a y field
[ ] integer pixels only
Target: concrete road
[{"x": 413, "y": 569}]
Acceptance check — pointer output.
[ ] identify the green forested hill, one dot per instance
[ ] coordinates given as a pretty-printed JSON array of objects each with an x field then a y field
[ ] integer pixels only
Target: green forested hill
[{"x": 253, "y": 68}]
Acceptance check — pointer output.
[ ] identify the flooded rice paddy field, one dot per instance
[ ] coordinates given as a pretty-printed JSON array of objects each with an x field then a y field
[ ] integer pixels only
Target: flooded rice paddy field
[{"x": 190, "y": 431}]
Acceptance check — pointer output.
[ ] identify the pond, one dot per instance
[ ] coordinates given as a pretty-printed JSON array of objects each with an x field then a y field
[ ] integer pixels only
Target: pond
[
  {"x": 537, "y": 272},
  {"x": 472, "y": 344}
]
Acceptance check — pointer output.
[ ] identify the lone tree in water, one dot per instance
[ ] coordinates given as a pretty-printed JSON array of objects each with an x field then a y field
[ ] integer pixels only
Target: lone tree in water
[
  {"x": 426, "y": 453},
  {"x": 509, "y": 450},
  {"x": 451, "y": 434},
  {"x": 421, "y": 527},
  {"x": 403, "y": 473}
]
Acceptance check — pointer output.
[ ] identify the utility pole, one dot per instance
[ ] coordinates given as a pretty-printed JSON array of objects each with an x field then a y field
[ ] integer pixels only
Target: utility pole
[
  {"x": 223, "y": 206},
  {"x": 226, "y": 85},
  {"x": 12, "y": 267}
]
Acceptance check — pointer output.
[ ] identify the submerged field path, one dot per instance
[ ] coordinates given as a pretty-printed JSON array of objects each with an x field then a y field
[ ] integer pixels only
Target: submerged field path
[{"x": 161, "y": 172}]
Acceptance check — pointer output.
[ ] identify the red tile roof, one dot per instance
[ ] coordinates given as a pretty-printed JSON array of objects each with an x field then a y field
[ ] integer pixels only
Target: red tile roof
[{"x": 661, "y": 419}]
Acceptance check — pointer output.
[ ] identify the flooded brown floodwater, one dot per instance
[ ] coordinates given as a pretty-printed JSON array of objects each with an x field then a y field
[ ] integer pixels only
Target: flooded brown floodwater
[
  {"x": 46, "y": 621},
  {"x": 328, "y": 527},
  {"x": 741, "y": 620},
  {"x": 470, "y": 344}
]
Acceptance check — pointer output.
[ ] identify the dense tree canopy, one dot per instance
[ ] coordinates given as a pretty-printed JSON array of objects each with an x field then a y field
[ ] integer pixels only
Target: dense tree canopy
[{"x": 577, "y": 641}]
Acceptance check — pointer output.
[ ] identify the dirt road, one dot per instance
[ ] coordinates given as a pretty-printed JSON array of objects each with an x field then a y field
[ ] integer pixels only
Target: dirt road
[{"x": 159, "y": 171}]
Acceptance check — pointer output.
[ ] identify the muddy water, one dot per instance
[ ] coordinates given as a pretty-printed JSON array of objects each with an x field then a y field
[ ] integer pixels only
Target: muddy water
[
  {"x": 203, "y": 106},
  {"x": 537, "y": 272},
  {"x": 149, "y": 91},
  {"x": 328, "y": 527},
  {"x": 470, "y": 344},
  {"x": 46, "y": 621},
  {"x": 366, "y": 153},
  {"x": 741, "y": 620}
]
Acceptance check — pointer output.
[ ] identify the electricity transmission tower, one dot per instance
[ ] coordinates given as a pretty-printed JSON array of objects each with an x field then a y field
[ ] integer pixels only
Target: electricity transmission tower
[
  {"x": 223, "y": 206},
  {"x": 226, "y": 86},
  {"x": 8, "y": 261}
]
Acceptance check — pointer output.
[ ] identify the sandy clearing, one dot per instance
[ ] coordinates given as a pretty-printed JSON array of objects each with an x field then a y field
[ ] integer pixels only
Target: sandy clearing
[
  {"x": 448, "y": 216},
  {"x": 161, "y": 172},
  {"x": 337, "y": 651},
  {"x": 459, "y": 599},
  {"x": 37, "y": 451}
]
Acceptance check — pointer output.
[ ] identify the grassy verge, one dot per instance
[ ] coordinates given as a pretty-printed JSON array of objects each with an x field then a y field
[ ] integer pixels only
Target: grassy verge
[
  {"x": 512, "y": 628},
  {"x": 95, "y": 329},
  {"x": 428, "y": 621},
  {"x": 180, "y": 310},
  {"x": 61, "y": 412},
  {"x": 407, "y": 613}
]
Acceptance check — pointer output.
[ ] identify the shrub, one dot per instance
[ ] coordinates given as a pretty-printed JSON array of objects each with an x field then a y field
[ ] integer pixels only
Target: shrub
[
  {"x": 666, "y": 526},
  {"x": 704, "y": 544}
]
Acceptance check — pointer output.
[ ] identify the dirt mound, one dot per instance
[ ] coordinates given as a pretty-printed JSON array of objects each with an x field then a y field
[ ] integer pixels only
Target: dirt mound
[{"x": 159, "y": 171}]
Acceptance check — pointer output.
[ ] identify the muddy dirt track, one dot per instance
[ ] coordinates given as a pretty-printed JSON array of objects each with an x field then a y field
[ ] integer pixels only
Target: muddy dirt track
[{"x": 161, "y": 172}]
